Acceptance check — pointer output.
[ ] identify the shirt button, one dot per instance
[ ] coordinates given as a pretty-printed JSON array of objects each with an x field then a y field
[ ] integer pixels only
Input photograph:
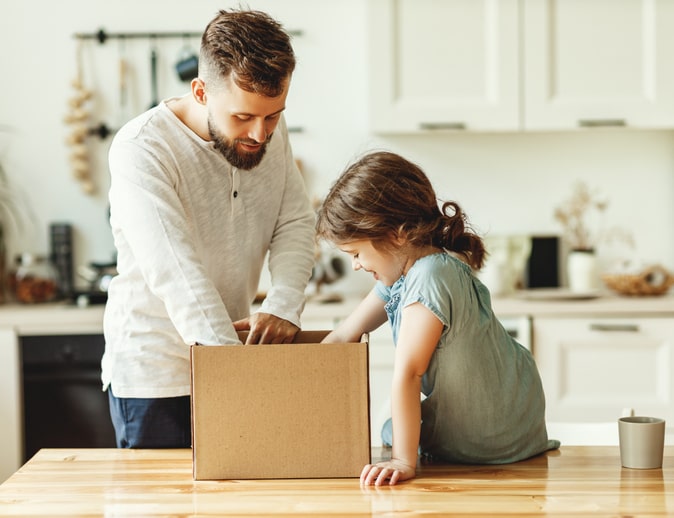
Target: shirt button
[{"x": 236, "y": 193}]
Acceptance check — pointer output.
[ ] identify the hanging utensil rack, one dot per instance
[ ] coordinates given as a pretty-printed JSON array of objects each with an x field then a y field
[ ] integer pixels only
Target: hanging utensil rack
[
  {"x": 102, "y": 131},
  {"x": 102, "y": 36}
]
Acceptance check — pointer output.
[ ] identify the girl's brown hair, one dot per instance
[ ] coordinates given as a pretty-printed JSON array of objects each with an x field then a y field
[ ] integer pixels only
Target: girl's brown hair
[
  {"x": 251, "y": 47},
  {"x": 383, "y": 196}
]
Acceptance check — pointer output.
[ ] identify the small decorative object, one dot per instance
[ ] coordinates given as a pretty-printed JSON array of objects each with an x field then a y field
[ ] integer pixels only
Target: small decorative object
[
  {"x": 582, "y": 233},
  {"x": 574, "y": 215},
  {"x": 650, "y": 280},
  {"x": 77, "y": 119},
  {"x": 35, "y": 280}
]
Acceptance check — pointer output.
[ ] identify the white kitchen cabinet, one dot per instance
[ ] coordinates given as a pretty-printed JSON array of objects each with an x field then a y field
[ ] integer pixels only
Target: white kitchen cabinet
[
  {"x": 598, "y": 62},
  {"x": 382, "y": 354},
  {"x": 593, "y": 368},
  {"x": 443, "y": 64},
  {"x": 508, "y": 65},
  {"x": 10, "y": 410}
]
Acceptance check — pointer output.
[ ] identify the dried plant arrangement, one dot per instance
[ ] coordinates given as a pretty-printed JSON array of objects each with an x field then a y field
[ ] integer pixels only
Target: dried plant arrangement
[
  {"x": 9, "y": 206},
  {"x": 10, "y": 220},
  {"x": 580, "y": 217}
]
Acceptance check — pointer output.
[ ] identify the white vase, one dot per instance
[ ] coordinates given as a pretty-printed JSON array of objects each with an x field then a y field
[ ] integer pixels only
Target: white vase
[{"x": 581, "y": 270}]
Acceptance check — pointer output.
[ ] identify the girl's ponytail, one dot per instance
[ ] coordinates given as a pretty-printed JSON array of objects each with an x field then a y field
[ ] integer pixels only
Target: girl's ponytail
[{"x": 454, "y": 234}]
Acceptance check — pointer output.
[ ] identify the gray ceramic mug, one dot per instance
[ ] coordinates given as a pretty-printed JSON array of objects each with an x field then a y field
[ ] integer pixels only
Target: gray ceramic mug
[{"x": 642, "y": 441}]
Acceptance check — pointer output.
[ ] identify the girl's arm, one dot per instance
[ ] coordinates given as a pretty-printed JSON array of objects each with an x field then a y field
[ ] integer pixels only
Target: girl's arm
[
  {"x": 420, "y": 331},
  {"x": 367, "y": 317}
]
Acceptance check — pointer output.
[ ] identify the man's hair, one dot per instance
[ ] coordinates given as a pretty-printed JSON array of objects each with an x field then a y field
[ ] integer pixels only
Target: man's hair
[{"x": 251, "y": 48}]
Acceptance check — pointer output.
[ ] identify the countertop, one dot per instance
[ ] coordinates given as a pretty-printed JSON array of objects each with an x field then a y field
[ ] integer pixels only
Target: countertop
[
  {"x": 561, "y": 303},
  {"x": 540, "y": 303},
  {"x": 51, "y": 318},
  {"x": 55, "y": 318},
  {"x": 575, "y": 480}
]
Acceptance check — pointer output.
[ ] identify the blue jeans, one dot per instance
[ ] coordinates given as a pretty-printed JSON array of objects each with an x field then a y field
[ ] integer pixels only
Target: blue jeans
[{"x": 151, "y": 423}]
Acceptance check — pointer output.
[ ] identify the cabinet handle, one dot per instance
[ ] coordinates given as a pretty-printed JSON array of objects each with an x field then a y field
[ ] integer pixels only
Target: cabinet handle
[
  {"x": 632, "y": 328},
  {"x": 599, "y": 123},
  {"x": 442, "y": 126}
]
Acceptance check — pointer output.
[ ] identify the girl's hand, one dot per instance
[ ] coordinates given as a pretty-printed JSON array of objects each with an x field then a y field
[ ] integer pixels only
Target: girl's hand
[{"x": 394, "y": 471}]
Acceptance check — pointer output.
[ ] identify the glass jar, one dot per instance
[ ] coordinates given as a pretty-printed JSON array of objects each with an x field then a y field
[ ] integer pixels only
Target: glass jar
[{"x": 35, "y": 280}]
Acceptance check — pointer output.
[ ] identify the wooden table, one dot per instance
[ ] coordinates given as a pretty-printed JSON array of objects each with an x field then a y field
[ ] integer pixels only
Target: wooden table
[{"x": 573, "y": 481}]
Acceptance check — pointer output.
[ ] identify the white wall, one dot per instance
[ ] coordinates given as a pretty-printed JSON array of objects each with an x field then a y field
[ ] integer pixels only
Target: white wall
[{"x": 508, "y": 183}]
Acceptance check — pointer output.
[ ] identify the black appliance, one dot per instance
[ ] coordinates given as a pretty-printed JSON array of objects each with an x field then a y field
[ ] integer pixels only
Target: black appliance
[
  {"x": 63, "y": 404},
  {"x": 543, "y": 264},
  {"x": 61, "y": 256}
]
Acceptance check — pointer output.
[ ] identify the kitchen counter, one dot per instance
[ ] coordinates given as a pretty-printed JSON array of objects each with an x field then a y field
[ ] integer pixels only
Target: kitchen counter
[
  {"x": 538, "y": 303},
  {"x": 578, "y": 481},
  {"x": 53, "y": 318}
]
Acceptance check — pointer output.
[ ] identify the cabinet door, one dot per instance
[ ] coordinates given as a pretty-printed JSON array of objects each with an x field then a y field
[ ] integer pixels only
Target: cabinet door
[
  {"x": 593, "y": 368},
  {"x": 443, "y": 64},
  {"x": 382, "y": 353},
  {"x": 598, "y": 63},
  {"x": 10, "y": 404}
]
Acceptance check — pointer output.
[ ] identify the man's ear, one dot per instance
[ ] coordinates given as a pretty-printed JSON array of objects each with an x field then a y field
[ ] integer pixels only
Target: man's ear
[{"x": 198, "y": 90}]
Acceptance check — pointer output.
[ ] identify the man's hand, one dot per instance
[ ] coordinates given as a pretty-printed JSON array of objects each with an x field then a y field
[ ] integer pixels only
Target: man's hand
[{"x": 265, "y": 328}]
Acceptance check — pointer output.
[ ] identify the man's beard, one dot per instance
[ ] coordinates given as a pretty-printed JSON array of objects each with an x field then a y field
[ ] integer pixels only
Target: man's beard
[{"x": 228, "y": 149}]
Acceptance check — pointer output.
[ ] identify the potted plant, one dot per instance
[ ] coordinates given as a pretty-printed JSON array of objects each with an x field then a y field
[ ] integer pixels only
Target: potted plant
[
  {"x": 574, "y": 215},
  {"x": 579, "y": 217},
  {"x": 9, "y": 220}
]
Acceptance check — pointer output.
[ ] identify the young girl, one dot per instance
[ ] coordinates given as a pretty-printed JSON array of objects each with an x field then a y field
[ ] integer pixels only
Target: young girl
[{"x": 484, "y": 400}]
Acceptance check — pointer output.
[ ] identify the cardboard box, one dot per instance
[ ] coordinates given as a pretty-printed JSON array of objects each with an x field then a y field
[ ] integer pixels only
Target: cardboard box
[{"x": 296, "y": 410}]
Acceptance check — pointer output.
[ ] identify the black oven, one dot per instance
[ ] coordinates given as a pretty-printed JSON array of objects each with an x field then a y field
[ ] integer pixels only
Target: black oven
[{"x": 63, "y": 404}]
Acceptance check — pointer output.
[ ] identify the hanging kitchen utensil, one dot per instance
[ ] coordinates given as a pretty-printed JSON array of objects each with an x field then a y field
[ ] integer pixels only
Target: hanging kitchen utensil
[
  {"x": 123, "y": 82},
  {"x": 153, "y": 77},
  {"x": 188, "y": 63}
]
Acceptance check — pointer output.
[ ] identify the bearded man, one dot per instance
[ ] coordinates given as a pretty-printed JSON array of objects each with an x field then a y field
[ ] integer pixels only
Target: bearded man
[{"x": 203, "y": 187}]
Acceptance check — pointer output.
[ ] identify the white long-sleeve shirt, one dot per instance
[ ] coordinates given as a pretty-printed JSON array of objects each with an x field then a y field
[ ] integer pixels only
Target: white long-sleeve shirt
[{"x": 192, "y": 233}]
